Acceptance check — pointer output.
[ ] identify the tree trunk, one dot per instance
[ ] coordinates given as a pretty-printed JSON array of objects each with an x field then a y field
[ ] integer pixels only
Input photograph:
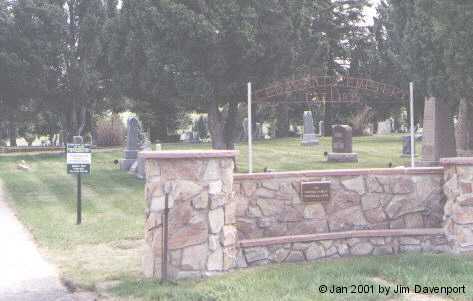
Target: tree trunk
[
  {"x": 159, "y": 130},
  {"x": 216, "y": 125},
  {"x": 254, "y": 109},
  {"x": 12, "y": 130},
  {"x": 282, "y": 122},
  {"x": 328, "y": 119},
  {"x": 463, "y": 128},
  {"x": 82, "y": 121},
  {"x": 231, "y": 129}
]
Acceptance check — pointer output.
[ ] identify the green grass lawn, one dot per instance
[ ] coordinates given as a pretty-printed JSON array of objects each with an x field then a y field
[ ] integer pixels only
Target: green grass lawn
[
  {"x": 288, "y": 154},
  {"x": 107, "y": 246},
  {"x": 302, "y": 281}
]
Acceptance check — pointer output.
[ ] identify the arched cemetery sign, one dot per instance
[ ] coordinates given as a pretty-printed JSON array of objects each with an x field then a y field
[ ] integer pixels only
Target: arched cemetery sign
[{"x": 333, "y": 89}]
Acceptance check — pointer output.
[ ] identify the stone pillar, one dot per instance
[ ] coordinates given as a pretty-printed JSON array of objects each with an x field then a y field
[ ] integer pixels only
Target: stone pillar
[
  {"x": 202, "y": 224},
  {"x": 458, "y": 212}
]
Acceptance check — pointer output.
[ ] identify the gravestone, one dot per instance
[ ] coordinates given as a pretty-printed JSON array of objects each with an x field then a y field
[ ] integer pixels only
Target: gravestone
[
  {"x": 133, "y": 143},
  {"x": 77, "y": 140},
  {"x": 139, "y": 171},
  {"x": 322, "y": 128},
  {"x": 244, "y": 132},
  {"x": 342, "y": 145},
  {"x": 259, "y": 131},
  {"x": 385, "y": 127},
  {"x": 309, "y": 137},
  {"x": 406, "y": 146},
  {"x": 438, "y": 139}
]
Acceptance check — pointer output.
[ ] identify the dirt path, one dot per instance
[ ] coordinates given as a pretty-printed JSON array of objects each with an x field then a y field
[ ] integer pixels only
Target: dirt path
[{"x": 24, "y": 274}]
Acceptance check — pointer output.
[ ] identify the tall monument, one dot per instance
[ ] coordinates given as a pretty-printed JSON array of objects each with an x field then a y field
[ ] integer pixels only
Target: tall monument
[
  {"x": 133, "y": 143},
  {"x": 309, "y": 137},
  {"x": 439, "y": 135}
]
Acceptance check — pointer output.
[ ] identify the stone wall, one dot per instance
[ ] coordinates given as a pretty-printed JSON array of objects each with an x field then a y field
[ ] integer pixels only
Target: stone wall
[
  {"x": 270, "y": 205},
  {"x": 458, "y": 189},
  {"x": 219, "y": 221},
  {"x": 202, "y": 232},
  {"x": 310, "y": 248}
]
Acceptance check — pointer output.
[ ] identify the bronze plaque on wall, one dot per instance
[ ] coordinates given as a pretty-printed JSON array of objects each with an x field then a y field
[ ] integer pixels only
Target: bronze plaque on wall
[{"x": 315, "y": 191}]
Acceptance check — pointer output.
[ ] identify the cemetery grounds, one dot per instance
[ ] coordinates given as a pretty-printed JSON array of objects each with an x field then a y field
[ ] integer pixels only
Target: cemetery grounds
[{"x": 104, "y": 253}]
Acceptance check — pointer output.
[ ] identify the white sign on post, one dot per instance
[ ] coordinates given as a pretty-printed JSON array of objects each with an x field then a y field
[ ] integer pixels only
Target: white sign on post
[{"x": 78, "y": 159}]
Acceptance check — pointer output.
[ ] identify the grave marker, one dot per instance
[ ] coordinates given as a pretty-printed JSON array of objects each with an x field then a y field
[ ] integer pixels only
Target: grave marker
[
  {"x": 438, "y": 135},
  {"x": 309, "y": 137},
  {"x": 342, "y": 145},
  {"x": 133, "y": 142}
]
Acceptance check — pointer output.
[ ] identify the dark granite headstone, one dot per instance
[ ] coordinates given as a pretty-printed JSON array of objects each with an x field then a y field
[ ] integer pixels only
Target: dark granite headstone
[
  {"x": 341, "y": 139},
  {"x": 406, "y": 145},
  {"x": 342, "y": 145},
  {"x": 438, "y": 134},
  {"x": 321, "y": 128}
]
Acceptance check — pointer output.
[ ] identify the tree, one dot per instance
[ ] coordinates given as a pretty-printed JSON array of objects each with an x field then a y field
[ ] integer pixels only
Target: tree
[
  {"x": 28, "y": 40},
  {"x": 342, "y": 46},
  {"x": 453, "y": 24},
  {"x": 431, "y": 41},
  {"x": 81, "y": 80}
]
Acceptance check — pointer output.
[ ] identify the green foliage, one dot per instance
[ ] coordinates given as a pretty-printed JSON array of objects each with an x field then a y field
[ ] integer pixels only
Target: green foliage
[
  {"x": 109, "y": 131},
  {"x": 200, "y": 126},
  {"x": 28, "y": 41}
]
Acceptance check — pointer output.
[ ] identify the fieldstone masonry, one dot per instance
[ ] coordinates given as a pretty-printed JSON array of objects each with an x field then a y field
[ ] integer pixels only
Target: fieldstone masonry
[
  {"x": 459, "y": 207},
  {"x": 270, "y": 205},
  {"x": 310, "y": 249},
  {"x": 202, "y": 232},
  {"x": 219, "y": 221}
]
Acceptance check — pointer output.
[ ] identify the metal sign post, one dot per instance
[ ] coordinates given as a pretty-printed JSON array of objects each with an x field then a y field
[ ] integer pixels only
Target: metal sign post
[
  {"x": 164, "y": 269},
  {"x": 79, "y": 159},
  {"x": 250, "y": 132},
  {"x": 413, "y": 149}
]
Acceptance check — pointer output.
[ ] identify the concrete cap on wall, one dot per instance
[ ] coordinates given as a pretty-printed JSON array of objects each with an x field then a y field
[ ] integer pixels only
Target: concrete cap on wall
[
  {"x": 341, "y": 173},
  {"x": 457, "y": 161},
  {"x": 188, "y": 154}
]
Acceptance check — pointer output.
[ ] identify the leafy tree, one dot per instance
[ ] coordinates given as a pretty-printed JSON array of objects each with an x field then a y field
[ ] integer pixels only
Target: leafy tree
[
  {"x": 29, "y": 37},
  {"x": 453, "y": 23},
  {"x": 81, "y": 80}
]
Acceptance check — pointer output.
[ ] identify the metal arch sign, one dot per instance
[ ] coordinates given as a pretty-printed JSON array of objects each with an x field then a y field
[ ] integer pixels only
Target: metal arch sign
[
  {"x": 336, "y": 89},
  {"x": 78, "y": 158}
]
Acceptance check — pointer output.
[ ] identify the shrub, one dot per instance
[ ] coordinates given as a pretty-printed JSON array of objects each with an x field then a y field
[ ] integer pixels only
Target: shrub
[
  {"x": 110, "y": 131},
  {"x": 360, "y": 120},
  {"x": 201, "y": 127}
]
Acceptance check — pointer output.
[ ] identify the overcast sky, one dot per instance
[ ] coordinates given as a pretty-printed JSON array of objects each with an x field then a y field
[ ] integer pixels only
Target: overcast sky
[{"x": 371, "y": 12}]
